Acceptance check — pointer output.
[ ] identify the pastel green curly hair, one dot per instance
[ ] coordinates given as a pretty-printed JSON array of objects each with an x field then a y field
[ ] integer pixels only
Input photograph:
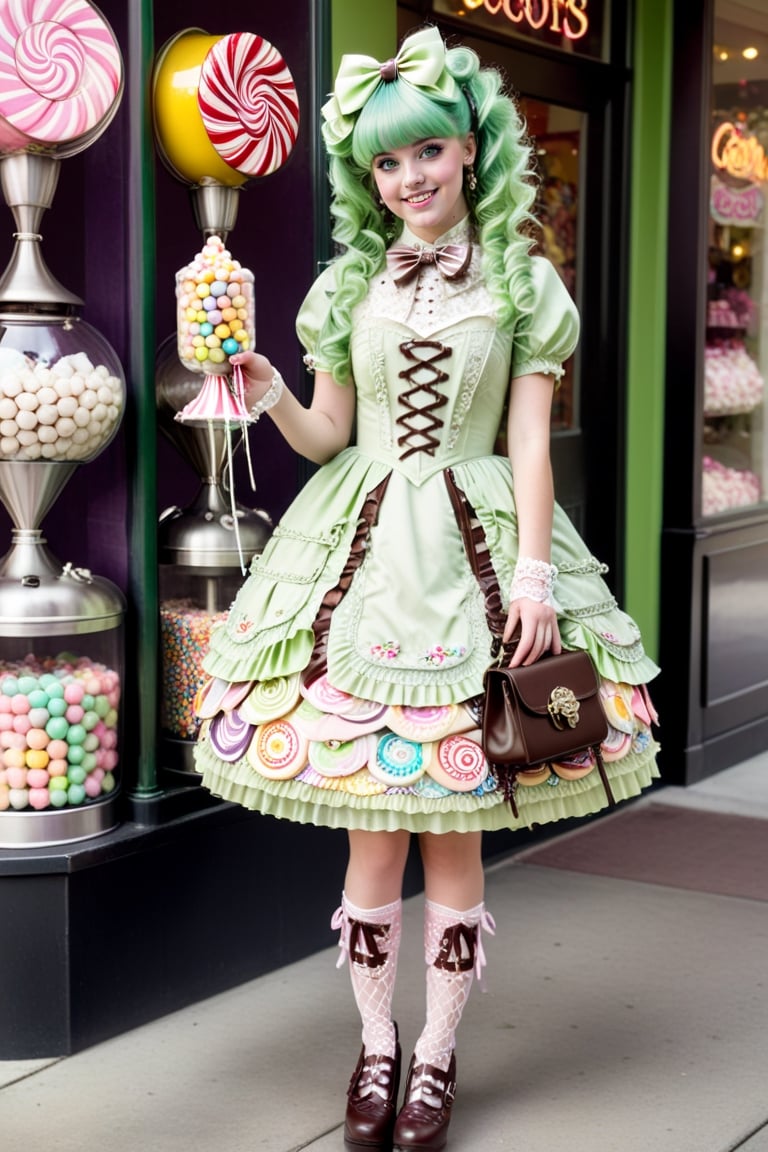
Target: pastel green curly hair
[{"x": 395, "y": 115}]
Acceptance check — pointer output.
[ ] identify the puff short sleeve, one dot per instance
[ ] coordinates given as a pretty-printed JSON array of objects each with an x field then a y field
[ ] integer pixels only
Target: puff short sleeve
[
  {"x": 312, "y": 315},
  {"x": 552, "y": 331}
]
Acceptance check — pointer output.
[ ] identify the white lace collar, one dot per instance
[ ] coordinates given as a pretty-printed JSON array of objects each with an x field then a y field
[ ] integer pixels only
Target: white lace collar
[{"x": 461, "y": 233}]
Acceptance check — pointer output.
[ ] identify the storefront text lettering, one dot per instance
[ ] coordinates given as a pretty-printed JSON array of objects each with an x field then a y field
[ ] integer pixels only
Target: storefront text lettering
[
  {"x": 739, "y": 154},
  {"x": 568, "y": 17}
]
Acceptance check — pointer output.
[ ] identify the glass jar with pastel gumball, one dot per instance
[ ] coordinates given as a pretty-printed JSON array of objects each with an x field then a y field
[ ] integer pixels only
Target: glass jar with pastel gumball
[
  {"x": 215, "y": 311},
  {"x": 59, "y": 739}
]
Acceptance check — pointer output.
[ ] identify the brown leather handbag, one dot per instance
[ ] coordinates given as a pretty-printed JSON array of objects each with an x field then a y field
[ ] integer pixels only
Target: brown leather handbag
[{"x": 545, "y": 712}]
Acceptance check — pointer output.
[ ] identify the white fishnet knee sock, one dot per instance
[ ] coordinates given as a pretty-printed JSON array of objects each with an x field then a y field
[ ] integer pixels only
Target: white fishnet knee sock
[
  {"x": 453, "y": 952},
  {"x": 370, "y": 937}
]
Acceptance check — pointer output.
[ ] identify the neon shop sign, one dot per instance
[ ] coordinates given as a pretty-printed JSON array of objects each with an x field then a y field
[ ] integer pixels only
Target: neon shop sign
[
  {"x": 739, "y": 158},
  {"x": 563, "y": 17},
  {"x": 739, "y": 154}
]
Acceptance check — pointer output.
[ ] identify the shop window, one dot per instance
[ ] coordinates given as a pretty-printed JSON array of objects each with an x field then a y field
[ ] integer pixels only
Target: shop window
[
  {"x": 556, "y": 135},
  {"x": 734, "y": 450}
]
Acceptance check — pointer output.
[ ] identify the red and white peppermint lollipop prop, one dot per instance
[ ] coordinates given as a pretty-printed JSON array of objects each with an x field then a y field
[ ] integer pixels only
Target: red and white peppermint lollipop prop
[
  {"x": 248, "y": 103},
  {"x": 250, "y": 112},
  {"x": 61, "y": 75}
]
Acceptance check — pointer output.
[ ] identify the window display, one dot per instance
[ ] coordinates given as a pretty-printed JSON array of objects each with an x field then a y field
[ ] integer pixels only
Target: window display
[
  {"x": 734, "y": 457},
  {"x": 557, "y": 136}
]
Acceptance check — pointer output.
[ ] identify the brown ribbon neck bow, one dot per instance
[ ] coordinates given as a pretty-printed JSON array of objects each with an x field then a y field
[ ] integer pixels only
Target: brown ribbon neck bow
[{"x": 404, "y": 261}]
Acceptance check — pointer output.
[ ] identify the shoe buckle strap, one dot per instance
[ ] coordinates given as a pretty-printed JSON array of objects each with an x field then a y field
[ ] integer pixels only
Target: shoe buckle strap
[
  {"x": 430, "y": 1089},
  {"x": 375, "y": 1078}
]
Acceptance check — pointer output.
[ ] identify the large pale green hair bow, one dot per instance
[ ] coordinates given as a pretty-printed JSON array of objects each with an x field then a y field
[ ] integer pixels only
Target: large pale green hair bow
[{"x": 420, "y": 62}]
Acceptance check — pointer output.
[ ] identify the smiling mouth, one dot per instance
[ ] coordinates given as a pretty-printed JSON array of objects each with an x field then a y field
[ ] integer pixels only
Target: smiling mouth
[{"x": 420, "y": 197}]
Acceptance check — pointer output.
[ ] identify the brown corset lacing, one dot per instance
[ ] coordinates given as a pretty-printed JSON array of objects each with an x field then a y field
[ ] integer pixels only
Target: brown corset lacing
[{"x": 420, "y": 420}]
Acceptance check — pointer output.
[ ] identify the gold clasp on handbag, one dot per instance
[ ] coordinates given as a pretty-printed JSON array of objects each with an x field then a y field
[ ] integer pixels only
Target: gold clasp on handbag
[{"x": 563, "y": 707}]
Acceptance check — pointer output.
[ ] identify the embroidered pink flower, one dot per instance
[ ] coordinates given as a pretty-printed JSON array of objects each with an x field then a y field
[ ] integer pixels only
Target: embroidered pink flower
[
  {"x": 438, "y": 654},
  {"x": 610, "y": 636},
  {"x": 244, "y": 626},
  {"x": 389, "y": 650}
]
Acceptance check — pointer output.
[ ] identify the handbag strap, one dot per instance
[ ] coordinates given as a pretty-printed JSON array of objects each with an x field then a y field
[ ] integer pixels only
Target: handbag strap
[{"x": 479, "y": 557}]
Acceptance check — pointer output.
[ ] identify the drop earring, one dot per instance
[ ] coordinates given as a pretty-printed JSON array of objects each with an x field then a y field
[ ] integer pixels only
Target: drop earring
[{"x": 471, "y": 178}]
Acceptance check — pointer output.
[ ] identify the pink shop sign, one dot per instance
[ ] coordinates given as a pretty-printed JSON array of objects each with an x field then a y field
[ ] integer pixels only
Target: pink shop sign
[{"x": 739, "y": 206}]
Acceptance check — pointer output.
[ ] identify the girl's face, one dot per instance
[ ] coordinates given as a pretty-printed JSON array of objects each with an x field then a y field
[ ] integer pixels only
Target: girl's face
[{"x": 423, "y": 183}]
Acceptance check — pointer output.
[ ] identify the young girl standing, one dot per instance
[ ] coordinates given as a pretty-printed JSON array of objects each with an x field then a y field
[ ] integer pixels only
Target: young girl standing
[{"x": 345, "y": 684}]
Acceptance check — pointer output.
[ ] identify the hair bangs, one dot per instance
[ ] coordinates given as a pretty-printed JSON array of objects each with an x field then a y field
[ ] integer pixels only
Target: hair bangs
[{"x": 398, "y": 114}]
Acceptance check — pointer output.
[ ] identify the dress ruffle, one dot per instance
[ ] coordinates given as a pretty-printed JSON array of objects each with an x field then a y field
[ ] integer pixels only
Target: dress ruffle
[{"x": 540, "y": 804}]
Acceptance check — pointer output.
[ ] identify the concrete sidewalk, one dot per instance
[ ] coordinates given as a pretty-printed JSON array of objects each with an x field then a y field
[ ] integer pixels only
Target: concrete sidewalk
[{"x": 617, "y": 1017}]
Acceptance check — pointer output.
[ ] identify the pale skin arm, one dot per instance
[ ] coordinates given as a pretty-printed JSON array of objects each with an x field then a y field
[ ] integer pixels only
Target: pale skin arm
[
  {"x": 318, "y": 432},
  {"x": 528, "y": 434}
]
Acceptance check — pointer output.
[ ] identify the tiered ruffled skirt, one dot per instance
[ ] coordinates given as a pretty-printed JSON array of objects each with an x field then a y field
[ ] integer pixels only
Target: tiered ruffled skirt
[{"x": 334, "y": 700}]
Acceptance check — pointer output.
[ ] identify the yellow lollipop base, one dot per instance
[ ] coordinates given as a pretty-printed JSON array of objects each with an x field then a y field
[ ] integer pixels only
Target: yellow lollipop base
[{"x": 181, "y": 136}]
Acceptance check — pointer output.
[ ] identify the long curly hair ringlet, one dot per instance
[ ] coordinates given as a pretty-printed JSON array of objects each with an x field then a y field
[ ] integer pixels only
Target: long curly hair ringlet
[{"x": 395, "y": 114}]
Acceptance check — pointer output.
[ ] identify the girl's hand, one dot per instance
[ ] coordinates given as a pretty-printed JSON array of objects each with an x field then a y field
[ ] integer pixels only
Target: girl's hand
[
  {"x": 257, "y": 374},
  {"x": 538, "y": 631},
  {"x": 256, "y": 368}
]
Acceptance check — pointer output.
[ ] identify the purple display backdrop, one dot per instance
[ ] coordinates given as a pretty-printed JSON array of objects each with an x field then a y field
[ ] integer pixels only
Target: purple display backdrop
[{"x": 87, "y": 247}]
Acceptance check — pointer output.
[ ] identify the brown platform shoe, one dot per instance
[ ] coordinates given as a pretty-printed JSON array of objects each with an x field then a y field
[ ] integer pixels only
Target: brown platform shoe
[
  {"x": 424, "y": 1117},
  {"x": 372, "y": 1101}
]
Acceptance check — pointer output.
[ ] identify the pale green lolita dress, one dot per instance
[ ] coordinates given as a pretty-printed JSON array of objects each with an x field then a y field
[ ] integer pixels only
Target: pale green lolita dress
[{"x": 344, "y": 682}]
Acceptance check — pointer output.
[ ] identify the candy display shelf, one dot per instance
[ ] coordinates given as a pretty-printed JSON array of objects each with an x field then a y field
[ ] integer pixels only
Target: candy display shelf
[
  {"x": 734, "y": 392},
  {"x": 62, "y": 397}
]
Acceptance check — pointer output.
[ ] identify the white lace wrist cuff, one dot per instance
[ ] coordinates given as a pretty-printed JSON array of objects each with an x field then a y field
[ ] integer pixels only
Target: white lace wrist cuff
[
  {"x": 534, "y": 580},
  {"x": 269, "y": 399}
]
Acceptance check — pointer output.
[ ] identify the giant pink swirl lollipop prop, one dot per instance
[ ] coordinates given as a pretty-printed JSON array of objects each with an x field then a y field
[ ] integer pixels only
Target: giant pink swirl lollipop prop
[
  {"x": 248, "y": 103},
  {"x": 61, "y": 75}
]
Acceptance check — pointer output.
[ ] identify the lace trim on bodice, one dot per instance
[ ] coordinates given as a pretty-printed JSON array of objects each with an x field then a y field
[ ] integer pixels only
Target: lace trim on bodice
[
  {"x": 476, "y": 357},
  {"x": 429, "y": 302}
]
